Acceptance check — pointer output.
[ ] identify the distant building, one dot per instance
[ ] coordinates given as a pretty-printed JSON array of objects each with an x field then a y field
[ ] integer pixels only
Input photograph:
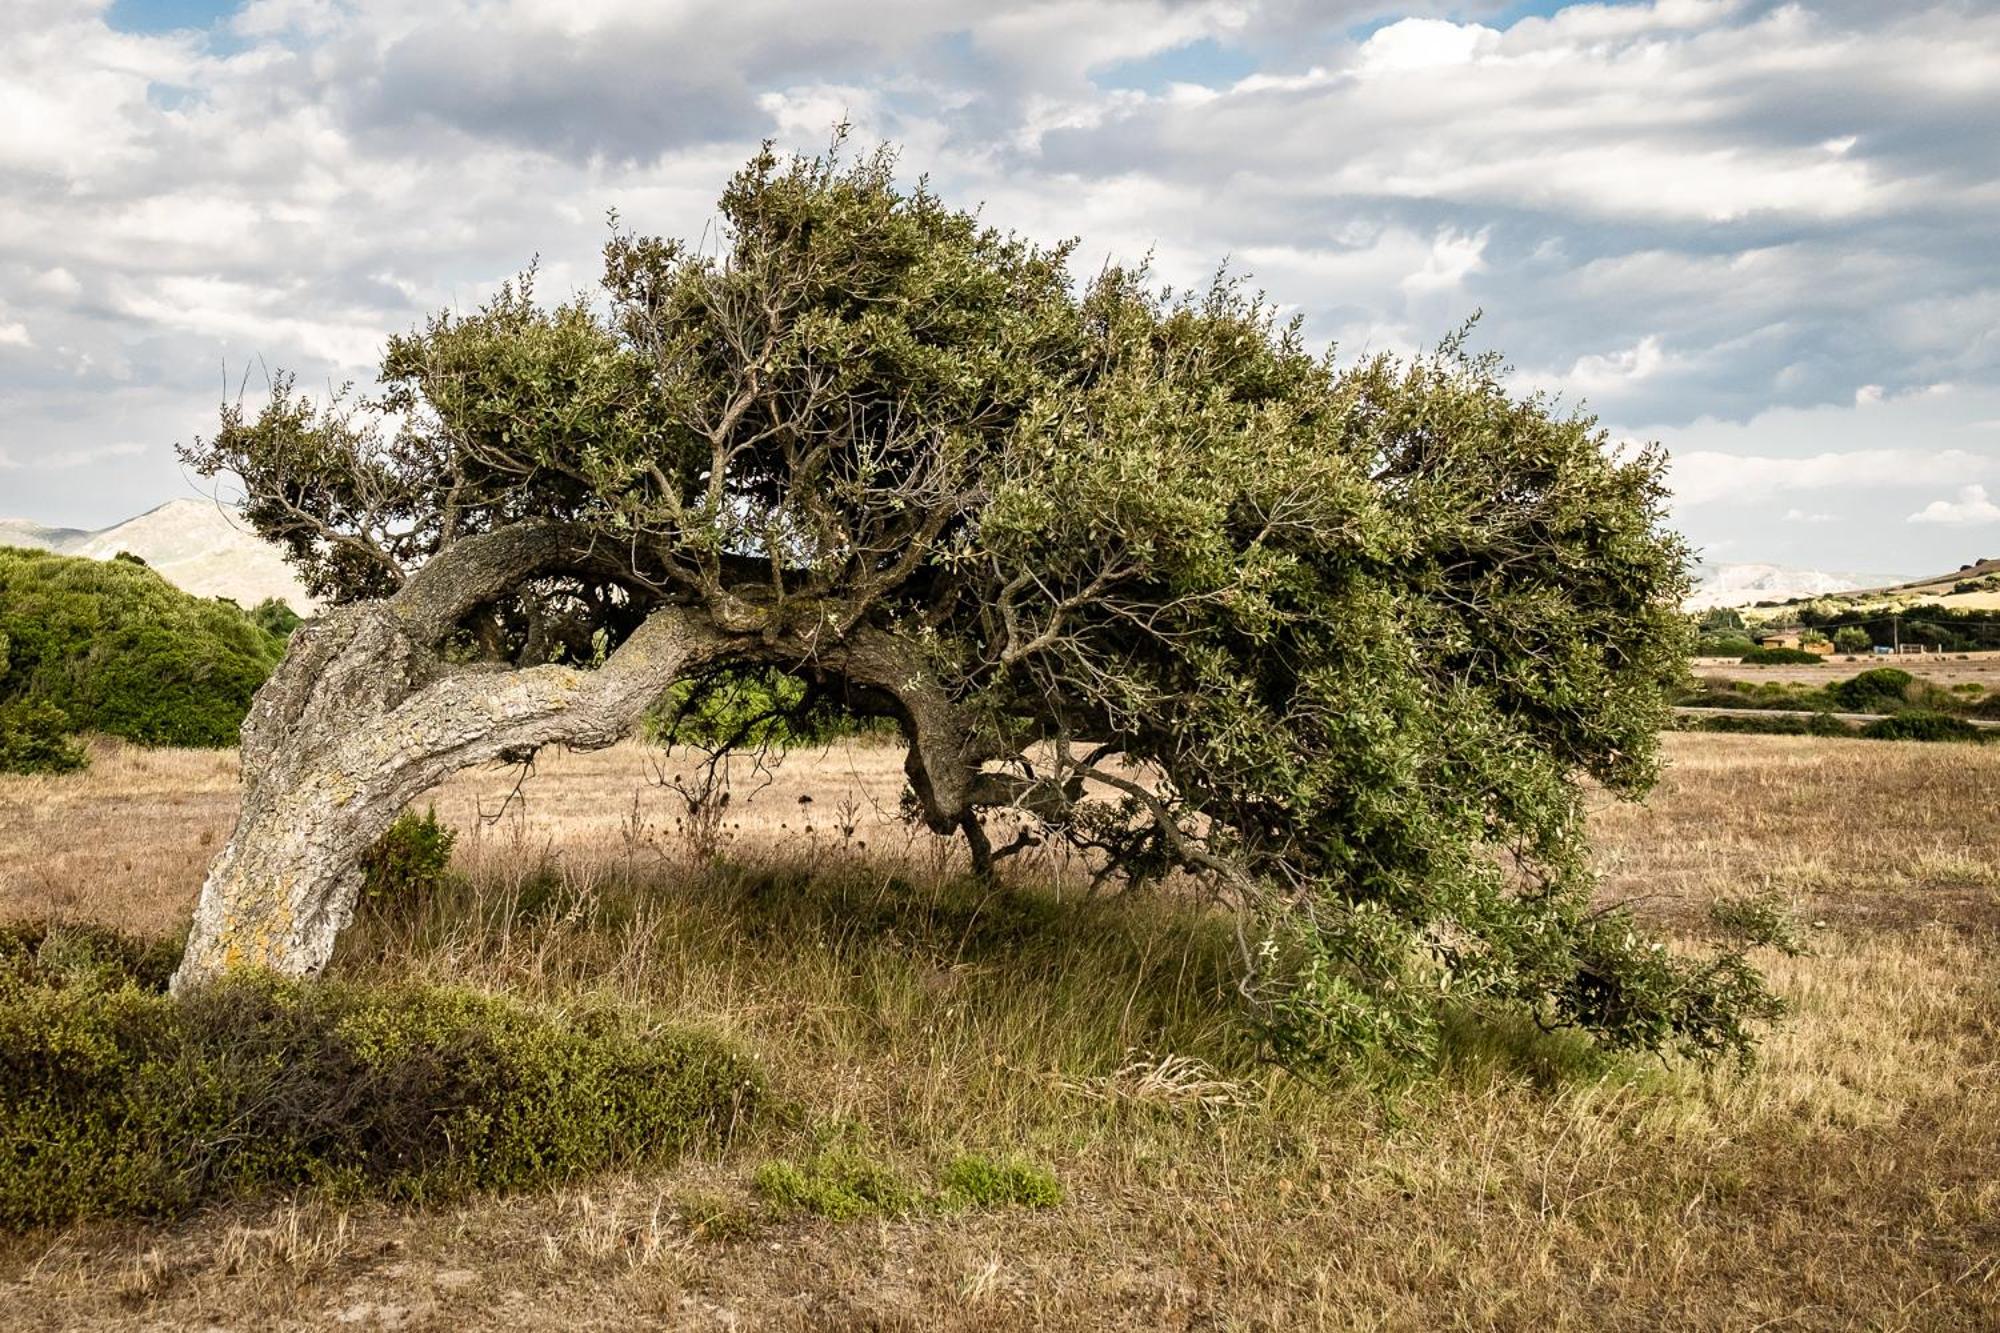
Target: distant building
[{"x": 1795, "y": 640}]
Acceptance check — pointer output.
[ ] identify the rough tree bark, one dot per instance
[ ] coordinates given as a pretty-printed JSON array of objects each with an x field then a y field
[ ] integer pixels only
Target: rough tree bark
[{"x": 363, "y": 716}]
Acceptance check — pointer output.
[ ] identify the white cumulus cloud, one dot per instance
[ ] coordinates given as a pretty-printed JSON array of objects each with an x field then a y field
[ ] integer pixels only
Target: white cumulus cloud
[{"x": 1972, "y": 505}]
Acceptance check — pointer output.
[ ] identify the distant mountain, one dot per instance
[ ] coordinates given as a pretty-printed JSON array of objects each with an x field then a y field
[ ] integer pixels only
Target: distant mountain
[
  {"x": 199, "y": 546},
  {"x": 1745, "y": 585}
]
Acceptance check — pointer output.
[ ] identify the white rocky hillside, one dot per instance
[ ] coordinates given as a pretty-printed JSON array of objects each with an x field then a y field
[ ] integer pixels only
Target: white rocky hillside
[
  {"x": 1748, "y": 584},
  {"x": 199, "y": 545}
]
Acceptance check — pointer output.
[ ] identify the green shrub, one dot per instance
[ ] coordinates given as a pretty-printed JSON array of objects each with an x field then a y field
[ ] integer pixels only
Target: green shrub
[
  {"x": 971, "y": 1181},
  {"x": 116, "y": 1100},
  {"x": 1724, "y": 645},
  {"x": 34, "y": 738},
  {"x": 1922, "y": 725},
  {"x": 74, "y": 954},
  {"x": 1781, "y": 657},
  {"x": 410, "y": 860},
  {"x": 1989, "y": 707},
  {"x": 122, "y": 651},
  {"x": 1877, "y": 690},
  {"x": 275, "y": 618}
]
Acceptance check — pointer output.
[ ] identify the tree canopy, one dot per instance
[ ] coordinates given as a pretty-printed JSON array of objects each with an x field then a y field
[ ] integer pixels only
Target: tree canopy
[{"x": 1343, "y": 643}]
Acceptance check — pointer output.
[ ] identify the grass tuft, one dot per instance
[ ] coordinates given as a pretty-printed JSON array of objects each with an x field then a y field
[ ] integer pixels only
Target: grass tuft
[
  {"x": 839, "y": 1184},
  {"x": 971, "y": 1181}
]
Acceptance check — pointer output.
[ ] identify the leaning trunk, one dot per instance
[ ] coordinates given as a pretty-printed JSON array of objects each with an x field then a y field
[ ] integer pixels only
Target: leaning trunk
[{"x": 358, "y": 721}]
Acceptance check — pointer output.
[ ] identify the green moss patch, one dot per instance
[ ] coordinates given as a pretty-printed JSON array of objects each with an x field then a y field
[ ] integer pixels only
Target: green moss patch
[{"x": 116, "y": 1100}]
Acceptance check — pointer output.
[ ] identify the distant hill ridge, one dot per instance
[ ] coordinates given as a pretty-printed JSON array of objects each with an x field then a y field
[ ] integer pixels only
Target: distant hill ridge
[
  {"x": 200, "y": 546},
  {"x": 1747, "y": 584}
]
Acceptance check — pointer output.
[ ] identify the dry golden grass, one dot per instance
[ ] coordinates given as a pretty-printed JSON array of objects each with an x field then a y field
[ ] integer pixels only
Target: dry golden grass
[
  {"x": 1943, "y": 669},
  {"x": 1850, "y": 1179}
]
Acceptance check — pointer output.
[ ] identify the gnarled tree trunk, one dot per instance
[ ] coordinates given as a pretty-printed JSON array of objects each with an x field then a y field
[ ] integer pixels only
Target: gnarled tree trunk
[{"x": 362, "y": 716}]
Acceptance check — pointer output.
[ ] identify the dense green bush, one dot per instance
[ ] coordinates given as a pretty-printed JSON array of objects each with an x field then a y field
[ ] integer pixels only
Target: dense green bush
[
  {"x": 1781, "y": 657},
  {"x": 1724, "y": 645},
  {"x": 117, "y": 1100},
  {"x": 120, "y": 650},
  {"x": 1921, "y": 725},
  {"x": 34, "y": 738},
  {"x": 409, "y": 861},
  {"x": 1877, "y": 690}
]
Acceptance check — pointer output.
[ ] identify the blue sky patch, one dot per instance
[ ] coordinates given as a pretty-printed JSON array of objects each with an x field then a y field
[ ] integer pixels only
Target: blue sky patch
[
  {"x": 1206, "y": 62},
  {"x": 168, "y": 15}
]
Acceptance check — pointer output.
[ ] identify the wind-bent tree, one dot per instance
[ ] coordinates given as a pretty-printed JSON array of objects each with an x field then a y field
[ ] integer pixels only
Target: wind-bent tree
[{"x": 1344, "y": 645}]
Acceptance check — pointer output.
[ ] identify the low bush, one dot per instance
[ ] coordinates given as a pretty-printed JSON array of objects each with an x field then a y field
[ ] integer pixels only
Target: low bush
[
  {"x": 35, "y": 738},
  {"x": 410, "y": 861},
  {"x": 1781, "y": 657},
  {"x": 1923, "y": 726},
  {"x": 116, "y": 1100},
  {"x": 1877, "y": 690},
  {"x": 1777, "y": 724}
]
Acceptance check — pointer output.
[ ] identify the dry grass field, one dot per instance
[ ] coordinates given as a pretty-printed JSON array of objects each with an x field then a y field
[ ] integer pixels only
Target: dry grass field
[
  {"x": 1849, "y": 1179},
  {"x": 1942, "y": 669}
]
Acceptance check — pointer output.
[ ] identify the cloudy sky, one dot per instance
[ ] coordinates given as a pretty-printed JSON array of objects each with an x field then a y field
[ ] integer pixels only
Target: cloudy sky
[{"x": 1763, "y": 233}]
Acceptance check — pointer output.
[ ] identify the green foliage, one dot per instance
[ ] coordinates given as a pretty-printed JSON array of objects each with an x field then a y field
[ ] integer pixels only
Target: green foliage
[
  {"x": 275, "y": 618},
  {"x": 409, "y": 862},
  {"x": 1877, "y": 690},
  {"x": 753, "y": 708},
  {"x": 1730, "y": 645},
  {"x": 35, "y": 738},
  {"x": 117, "y": 1101},
  {"x": 838, "y": 1183},
  {"x": 1922, "y": 725},
  {"x": 1781, "y": 657},
  {"x": 1720, "y": 619},
  {"x": 120, "y": 650},
  {"x": 1641, "y": 996},
  {"x": 841, "y": 1182},
  {"x": 1777, "y": 724},
  {"x": 1759, "y": 920},
  {"x": 972, "y": 1181},
  {"x": 1852, "y": 639}
]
